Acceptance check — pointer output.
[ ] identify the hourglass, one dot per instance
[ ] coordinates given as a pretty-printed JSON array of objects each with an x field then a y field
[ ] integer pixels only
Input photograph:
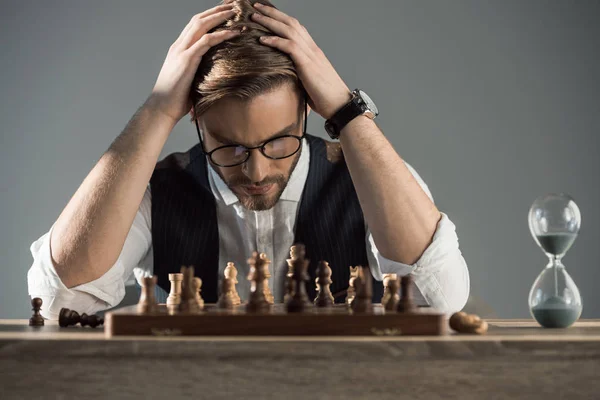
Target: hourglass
[{"x": 554, "y": 300}]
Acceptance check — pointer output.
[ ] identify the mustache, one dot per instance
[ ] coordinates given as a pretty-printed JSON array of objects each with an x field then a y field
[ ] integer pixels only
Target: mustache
[{"x": 238, "y": 180}]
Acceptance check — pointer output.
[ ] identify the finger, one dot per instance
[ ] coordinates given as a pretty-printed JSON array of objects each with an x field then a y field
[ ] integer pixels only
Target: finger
[
  {"x": 281, "y": 20},
  {"x": 204, "y": 14},
  {"x": 209, "y": 40},
  {"x": 296, "y": 52},
  {"x": 202, "y": 25},
  {"x": 282, "y": 30}
]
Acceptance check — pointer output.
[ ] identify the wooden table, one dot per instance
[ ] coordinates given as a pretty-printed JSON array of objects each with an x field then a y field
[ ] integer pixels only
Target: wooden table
[{"x": 516, "y": 359}]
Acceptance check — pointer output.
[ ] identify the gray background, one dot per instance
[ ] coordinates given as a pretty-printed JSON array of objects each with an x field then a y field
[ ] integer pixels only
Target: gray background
[{"x": 494, "y": 103}]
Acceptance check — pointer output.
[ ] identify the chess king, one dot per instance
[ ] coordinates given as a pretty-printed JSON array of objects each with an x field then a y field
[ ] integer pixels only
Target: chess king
[{"x": 248, "y": 75}]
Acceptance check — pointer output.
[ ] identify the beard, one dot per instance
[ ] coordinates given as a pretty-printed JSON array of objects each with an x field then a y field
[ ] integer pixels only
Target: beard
[{"x": 260, "y": 202}]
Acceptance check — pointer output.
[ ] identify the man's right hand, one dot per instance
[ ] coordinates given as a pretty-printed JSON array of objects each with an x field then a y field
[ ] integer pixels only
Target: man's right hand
[{"x": 171, "y": 93}]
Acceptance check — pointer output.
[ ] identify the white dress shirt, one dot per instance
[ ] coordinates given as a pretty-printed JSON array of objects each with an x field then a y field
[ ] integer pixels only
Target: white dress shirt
[{"x": 441, "y": 277}]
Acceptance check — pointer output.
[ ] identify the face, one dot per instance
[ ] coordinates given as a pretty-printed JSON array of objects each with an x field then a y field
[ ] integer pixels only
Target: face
[{"x": 259, "y": 182}]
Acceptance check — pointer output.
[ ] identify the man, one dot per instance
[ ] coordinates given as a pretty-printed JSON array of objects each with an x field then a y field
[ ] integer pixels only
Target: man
[{"x": 256, "y": 180}]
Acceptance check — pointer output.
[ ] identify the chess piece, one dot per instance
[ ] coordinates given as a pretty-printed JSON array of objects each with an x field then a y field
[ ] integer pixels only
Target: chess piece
[
  {"x": 351, "y": 293},
  {"x": 257, "y": 303},
  {"x": 189, "y": 291},
  {"x": 364, "y": 291},
  {"x": 391, "y": 299},
  {"x": 68, "y": 317},
  {"x": 175, "y": 294},
  {"x": 386, "y": 281},
  {"x": 231, "y": 273},
  {"x": 462, "y": 322},
  {"x": 147, "y": 303},
  {"x": 90, "y": 320},
  {"x": 289, "y": 282},
  {"x": 406, "y": 304},
  {"x": 324, "y": 297},
  {"x": 268, "y": 295},
  {"x": 197, "y": 283},
  {"x": 226, "y": 298},
  {"x": 298, "y": 301},
  {"x": 36, "y": 319}
]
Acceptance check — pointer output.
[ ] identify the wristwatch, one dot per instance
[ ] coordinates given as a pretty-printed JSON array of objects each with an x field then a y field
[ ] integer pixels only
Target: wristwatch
[{"x": 360, "y": 104}]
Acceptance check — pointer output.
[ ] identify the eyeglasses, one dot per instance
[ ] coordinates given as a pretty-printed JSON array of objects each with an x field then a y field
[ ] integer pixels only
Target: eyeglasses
[{"x": 276, "y": 148}]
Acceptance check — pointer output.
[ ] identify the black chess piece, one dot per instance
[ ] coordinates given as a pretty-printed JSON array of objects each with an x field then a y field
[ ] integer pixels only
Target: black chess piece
[
  {"x": 68, "y": 317},
  {"x": 298, "y": 301},
  {"x": 257, "y": 302},
  {"x": 324, "y": 297},
  {"x": 406, "y": 304},
  {"x": 36, "y": 319},
  {"x": 362, "y": 303}
]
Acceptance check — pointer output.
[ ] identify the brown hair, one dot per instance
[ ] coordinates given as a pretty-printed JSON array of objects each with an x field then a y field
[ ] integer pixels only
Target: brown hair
[{"x": 241, "y": 67}]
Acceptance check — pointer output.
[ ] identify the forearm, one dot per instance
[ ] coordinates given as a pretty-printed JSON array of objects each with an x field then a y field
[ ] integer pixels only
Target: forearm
[
  {"x": 90, "y": 232},
  {"x": 400, "y": 215}
]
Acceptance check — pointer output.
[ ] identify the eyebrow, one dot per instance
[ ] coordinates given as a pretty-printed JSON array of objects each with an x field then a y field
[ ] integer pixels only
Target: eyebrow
[{"x": 283, "y": 131}]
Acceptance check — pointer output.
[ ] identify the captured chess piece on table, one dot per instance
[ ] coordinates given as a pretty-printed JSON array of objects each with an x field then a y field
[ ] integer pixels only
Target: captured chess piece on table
[
  {"x": 68, "y": 317},
  {"x": 554, "y": 299},
  {"x": 36, "y": 319},
  {"x": 462, "y": 322}
]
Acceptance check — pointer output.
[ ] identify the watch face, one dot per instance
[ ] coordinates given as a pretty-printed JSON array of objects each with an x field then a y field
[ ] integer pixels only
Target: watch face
[{"x": 370, "y": 104}]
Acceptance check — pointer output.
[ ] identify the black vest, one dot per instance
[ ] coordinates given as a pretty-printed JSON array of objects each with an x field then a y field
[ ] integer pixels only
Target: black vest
[{"x": 330, "y": 221}]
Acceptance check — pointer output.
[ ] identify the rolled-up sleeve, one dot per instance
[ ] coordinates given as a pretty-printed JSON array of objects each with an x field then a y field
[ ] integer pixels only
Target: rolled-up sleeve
[
  {"x": 440, "y": 276},
  {"x": 105, "y": 292}
]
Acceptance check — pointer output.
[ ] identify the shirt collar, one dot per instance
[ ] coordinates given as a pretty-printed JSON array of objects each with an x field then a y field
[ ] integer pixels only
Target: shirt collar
[{"x": 292, "y": 192}]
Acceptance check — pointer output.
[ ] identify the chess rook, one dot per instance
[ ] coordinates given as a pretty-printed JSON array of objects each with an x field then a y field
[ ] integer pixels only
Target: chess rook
[
  {"x": 175, "y": 293},
  {"x": 406, "y": 304},
  {"x": 147, "y": 303}
]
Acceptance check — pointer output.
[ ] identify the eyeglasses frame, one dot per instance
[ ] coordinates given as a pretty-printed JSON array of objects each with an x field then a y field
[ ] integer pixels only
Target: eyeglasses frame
[{"x": 260, "y": 147}]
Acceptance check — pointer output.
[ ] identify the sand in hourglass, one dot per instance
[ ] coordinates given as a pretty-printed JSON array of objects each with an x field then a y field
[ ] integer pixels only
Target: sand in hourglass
[
  {"x": 556, "y": 313},
  {"x": 556, "y": 243}
]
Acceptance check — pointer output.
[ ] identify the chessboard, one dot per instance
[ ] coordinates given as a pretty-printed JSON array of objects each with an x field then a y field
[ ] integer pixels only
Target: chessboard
[
  {"x": 185, "y": 312},
  {"x": 338, "y": 320}
]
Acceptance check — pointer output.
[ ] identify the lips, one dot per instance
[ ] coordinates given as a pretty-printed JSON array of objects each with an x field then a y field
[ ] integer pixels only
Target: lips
[{"x": 256, "y": 190}]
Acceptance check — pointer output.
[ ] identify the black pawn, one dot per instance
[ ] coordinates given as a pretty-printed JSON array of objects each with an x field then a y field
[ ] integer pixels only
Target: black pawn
[
  {"x": 36, "y": 319},
  {"x": 91, "y": 320},
  {"x": 67, "y": 317}
]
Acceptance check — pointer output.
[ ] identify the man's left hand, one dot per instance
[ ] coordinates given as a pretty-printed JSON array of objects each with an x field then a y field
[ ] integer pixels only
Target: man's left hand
[{"x": 326, "y": 89}]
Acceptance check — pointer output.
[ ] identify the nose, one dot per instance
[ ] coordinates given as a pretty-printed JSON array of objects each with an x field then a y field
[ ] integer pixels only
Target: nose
[{"x": 256, "y": 168}]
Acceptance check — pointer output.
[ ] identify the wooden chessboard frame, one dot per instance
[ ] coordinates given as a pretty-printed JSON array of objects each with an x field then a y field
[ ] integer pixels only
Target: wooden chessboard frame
[{"x": 335, "y": 321}]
